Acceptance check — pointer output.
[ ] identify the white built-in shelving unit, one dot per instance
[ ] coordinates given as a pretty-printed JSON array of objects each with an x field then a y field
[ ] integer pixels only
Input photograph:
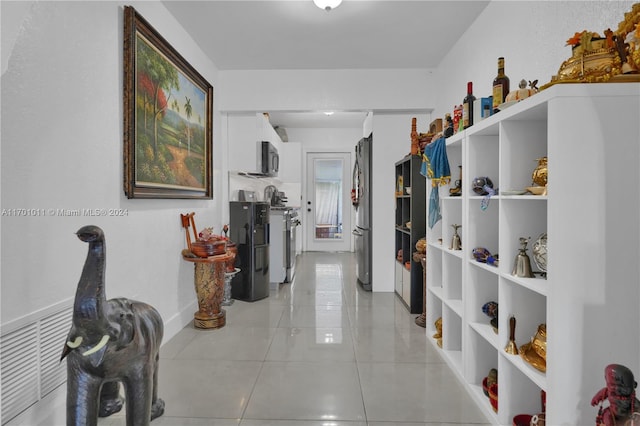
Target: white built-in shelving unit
[{"x": 590, "y": 300}]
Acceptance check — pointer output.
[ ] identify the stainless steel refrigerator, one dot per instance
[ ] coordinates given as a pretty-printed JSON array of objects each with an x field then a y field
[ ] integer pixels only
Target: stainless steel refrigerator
[
  {"x": 249, "y": 229},
  {"x": 361, "y": 200}
]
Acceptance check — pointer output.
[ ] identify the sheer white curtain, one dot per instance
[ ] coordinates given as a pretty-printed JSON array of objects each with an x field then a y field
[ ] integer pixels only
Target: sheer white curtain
[{"x": 328, "y": 211}]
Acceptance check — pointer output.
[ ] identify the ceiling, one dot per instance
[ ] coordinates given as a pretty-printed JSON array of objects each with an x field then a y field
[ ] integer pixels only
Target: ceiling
[
  {"x": 317, "y": 119},
  {"x": 296, "y": 35}
]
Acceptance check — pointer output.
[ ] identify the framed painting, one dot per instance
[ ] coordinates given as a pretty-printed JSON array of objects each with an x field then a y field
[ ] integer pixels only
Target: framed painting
[{"x": 168, "y": 105}]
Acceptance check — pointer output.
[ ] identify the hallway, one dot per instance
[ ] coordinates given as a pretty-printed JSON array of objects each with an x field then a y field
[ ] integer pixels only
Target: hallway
[{"x": 317, "y": 352}]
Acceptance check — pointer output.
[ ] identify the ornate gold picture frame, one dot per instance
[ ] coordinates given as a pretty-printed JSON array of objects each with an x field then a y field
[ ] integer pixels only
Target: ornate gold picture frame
[{"x": 168, "y": 106}]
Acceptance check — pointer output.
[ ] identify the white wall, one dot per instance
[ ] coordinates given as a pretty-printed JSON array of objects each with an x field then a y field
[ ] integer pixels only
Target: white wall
[
  {"x": 391, "y": 143},
  {"x": 62, "y": 148},
  {"x": 531, "y": 36},
  {"x": 311, "y": 90}
]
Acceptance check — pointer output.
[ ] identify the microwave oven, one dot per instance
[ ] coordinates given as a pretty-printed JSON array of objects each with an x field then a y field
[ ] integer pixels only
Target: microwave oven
[{"x": 270, "y": 159}]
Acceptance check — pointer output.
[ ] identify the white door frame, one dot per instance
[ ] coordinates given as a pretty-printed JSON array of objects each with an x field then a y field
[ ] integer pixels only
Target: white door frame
[{"x": 310, "y": 243}]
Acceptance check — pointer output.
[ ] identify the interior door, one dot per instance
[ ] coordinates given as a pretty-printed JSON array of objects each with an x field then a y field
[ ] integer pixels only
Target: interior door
[{"x": 327, "y": 209}]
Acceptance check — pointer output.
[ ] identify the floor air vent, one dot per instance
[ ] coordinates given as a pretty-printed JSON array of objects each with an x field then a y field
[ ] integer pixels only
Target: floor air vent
[{"x": 30, "y": 362}]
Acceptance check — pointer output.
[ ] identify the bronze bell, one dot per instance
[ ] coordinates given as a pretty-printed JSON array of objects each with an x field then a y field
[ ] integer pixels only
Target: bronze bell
[
  {"x": 456, "y": 242},
  {"x": 522, "y": 264},
  {"x": 511, "y": 347}
]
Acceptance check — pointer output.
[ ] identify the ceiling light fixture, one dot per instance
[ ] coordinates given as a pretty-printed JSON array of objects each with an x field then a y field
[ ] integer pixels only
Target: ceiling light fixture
[
  {"x": 328, "y": 113},
  {"x": 327, "y": 4}
]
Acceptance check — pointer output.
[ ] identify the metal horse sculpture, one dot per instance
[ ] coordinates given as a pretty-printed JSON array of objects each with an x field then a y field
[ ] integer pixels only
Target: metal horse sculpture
[{"x": 110, "y": 342}]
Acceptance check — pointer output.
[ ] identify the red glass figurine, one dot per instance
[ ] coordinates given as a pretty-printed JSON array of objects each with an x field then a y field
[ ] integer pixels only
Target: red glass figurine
[{"x": 621, "y": 394}]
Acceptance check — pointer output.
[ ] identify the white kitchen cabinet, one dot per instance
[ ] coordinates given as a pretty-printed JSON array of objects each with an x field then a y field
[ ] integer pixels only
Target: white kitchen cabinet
[
  {"x": 291, "y": 164},
  {"x": 590, "y": 300},
  {"x": 245, "y": 131}
]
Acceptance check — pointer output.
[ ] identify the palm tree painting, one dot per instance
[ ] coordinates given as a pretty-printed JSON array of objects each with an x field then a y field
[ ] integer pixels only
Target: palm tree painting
[{"x": 171, "y": 149}]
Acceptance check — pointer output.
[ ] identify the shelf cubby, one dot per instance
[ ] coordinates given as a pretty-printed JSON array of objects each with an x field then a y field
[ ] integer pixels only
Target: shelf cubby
[
  {"x": 434, "y": 272},
  {"x": 452, "y": 277},
  {"x": 528, "y": 307},
  {"x": 521, "y": 144},
  {"x": 520, "y": 218},
  {"x": 454, "y": 155},
  {"x": 484, "y": 357},
  {"x": 434, "y": 307},
  {"x": 452, "y": 335},
  {"x": 524, "y": 395},
  {"x": 451, "y": 210},
  {"x": 481, "y": 287},
  {"x": 483, "y": 161},
  {"x": 483, "y": 226}
]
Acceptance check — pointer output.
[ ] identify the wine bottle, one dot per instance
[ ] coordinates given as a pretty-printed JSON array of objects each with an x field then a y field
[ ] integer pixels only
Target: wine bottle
[
  {"x": 467, "y": 107},
  {"x": 500, "y": 86}
]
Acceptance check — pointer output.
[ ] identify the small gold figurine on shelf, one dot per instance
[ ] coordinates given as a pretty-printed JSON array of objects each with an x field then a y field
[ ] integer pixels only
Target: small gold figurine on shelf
[
  {"x": 438, "y": 334},
  {"x": 456, "y": 191}
]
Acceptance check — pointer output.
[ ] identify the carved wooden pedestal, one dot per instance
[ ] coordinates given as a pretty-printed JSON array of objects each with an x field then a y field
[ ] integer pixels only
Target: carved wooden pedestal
[
  {"x": 422, "y": 258},
  {"x": 209, "y": 282}
]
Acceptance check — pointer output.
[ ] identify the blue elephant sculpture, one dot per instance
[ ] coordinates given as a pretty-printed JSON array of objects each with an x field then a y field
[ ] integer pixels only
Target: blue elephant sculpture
[{"x": 110, "y": 342}]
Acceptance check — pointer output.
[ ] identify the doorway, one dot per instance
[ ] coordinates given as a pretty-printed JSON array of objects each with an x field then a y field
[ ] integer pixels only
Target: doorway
[{"x": 328, "y": 210}]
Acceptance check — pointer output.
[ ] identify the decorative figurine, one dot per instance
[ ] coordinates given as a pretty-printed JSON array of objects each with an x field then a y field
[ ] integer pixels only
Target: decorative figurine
[
  {"x": 522, "y": 263},
  {"x": 539, "y": 250},
  {"x": 596, "y": 59},
  {"x": 415, "y": 145},
  {"x": 490, "y": 309},
  {"x": 521, "y": 93},
  {"x": 438, "y": 333},
  {"x": 448, "y": 128},
  {"x": 457, "y": 190},
  {"x": 624, "y": 407},
  {"x": 110, "y": 341},
  {"x": 539, "y": 175},
  {"x": 457, "y": 118},
  {"x": 483, "y": 255},
  {"x": 535, "y": 351},
  {"x": 482, "y": 185},
  {"x": 456, "y": 242}
]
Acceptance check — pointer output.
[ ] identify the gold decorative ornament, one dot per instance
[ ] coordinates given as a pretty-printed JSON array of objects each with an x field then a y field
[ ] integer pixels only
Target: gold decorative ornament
[
  {"x": 535, "y": 352},
  {"x": 596, "y": 59},
  {"x": 539, "y": 175},
  {"x": 438, "y": 334}
]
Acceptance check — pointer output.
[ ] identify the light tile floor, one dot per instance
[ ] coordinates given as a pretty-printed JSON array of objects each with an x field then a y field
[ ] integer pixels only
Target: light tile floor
[{"x": 317, "y": 352}]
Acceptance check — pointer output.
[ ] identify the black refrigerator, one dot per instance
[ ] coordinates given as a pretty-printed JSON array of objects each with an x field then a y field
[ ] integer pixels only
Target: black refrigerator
[
  {"x": 249, "y": 229},
  {"x": 362, "y": 202}
]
